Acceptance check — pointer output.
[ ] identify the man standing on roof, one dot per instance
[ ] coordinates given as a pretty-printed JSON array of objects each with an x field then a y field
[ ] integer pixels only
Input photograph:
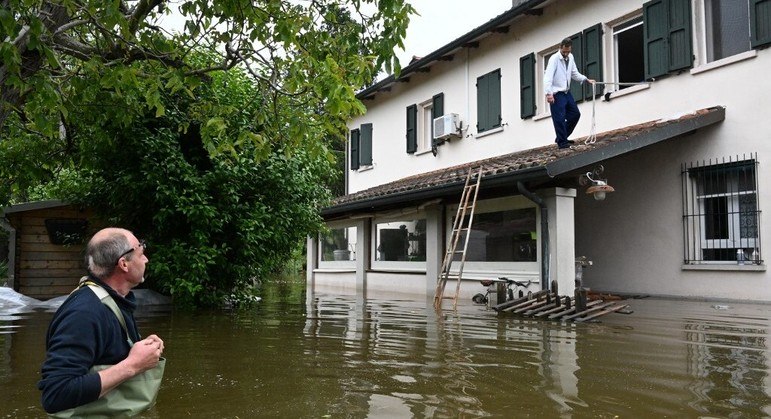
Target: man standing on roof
[
  {"x": 88, "y": 330},
  {"x": 560, "y": 70}
]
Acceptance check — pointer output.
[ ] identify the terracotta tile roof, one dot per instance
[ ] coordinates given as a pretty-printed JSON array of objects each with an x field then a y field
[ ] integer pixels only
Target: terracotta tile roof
[{"x": 550, "y": 160}]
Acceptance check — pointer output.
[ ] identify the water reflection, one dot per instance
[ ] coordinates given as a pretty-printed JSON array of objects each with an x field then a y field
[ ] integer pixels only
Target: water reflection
[{"x": 328, "y": 354}]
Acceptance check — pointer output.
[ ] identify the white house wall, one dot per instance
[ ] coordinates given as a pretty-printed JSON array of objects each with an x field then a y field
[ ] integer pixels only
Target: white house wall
[{"x": 635, "y": 236}]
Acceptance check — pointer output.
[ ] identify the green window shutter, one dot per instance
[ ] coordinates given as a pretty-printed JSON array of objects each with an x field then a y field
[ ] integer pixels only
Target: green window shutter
[
  {"x": 355, "y": 149},
  {"x": 760, "y": 22},
  {"x": 437, "y": 105},
  {"x": 593, "y": 59},
  {"x": 655, "y": 28},
  {"x": 365, "y": 145},
  {"x": 489, "y": 101},
  {"x": 412, "y": 129},
  {"x": 482, "y": 99},
  {"x": 437, "y": 110},
  {"x": 495, "y": 99},
  {"x": 680, "y": 48},
  {"x": 527, "y": 86},
  {"x": 577, "y": 90}
]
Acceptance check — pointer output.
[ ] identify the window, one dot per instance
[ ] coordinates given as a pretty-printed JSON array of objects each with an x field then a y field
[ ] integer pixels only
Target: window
[
  {"x": 727, "y": 25},
  {"x": 735, "y": 26},
  {"x": 420, "y": 123},
  {"x": 489, "y": 101},
  {"x": 338, "y": 244},
  {"x": 629, "y": 64},
  {"x": 361, "y": 146},
  {"x": 401, "y": 241},
  {"x": 587, "y": 53},
  {"x": 503, "y": 239},
  {"x": 502, "y": 236},
  {"x": 721, "y": 212}
]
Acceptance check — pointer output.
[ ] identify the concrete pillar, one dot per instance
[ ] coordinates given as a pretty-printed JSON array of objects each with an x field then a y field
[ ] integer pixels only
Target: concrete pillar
[
  {"x": 562, "y": 236},
  {"x": 363, "y": 242},
  {"x": 311, "y": 261},
  {"x": 434, "y": 247}
]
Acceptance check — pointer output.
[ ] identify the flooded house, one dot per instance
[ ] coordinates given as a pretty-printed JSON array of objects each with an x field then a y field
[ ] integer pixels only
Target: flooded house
[{"x": 662, "y": 189}]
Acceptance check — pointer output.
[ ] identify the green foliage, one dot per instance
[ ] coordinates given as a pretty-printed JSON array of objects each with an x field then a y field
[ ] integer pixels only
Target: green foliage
[
  {"x": 319, "y": 51},
  {"x": 216, "y": 224},
  {"x": 215, "y": 144}
]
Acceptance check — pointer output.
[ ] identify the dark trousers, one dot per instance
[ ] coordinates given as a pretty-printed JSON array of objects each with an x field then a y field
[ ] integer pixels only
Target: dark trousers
[{"x": 565, "y": 115}]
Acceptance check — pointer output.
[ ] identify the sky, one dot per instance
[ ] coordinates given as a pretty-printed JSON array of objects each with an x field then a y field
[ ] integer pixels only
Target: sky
[
  {"x": 442, "y": 21},
  {"x": 439, "y": 22}
]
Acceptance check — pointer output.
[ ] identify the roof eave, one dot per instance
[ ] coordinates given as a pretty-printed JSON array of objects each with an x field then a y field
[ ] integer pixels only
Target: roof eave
[
  {"x": 460, "y": 42},
  {"x": 32, "y": 206}
]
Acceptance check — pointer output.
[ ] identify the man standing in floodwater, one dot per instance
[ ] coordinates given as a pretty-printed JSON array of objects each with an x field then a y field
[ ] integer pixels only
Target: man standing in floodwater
[
  {"x": 560, "y": 70},
  {"x": 88, "y": 331}
]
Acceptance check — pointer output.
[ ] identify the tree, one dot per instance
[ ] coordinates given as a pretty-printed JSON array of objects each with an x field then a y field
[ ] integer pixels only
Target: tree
[
  {"x": 293, "y": 48},
  {"x": 214, "y": 223},
  {"x": 212, "y": 143}
]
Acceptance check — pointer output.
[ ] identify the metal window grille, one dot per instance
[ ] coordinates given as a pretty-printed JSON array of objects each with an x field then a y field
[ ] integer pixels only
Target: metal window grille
[{"x": 721, "y": 216}]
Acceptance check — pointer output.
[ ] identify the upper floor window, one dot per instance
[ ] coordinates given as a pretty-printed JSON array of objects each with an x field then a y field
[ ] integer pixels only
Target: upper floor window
[
  {"x": 727, "y": 27},
  {"x": 721, "y": 212},
  {"x": 628, "y": 63},
  {"x": 420, "y": 123},
  {"x": 489, "y": 101},
  {"x": 361, "y": 147},
  {"x": 587, "y": 53}
]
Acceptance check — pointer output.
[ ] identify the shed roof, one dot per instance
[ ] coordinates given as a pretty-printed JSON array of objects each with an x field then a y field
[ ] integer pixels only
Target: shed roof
[
  {"x": 34, "y": 205},
  {"x": 542, "y": 163}
]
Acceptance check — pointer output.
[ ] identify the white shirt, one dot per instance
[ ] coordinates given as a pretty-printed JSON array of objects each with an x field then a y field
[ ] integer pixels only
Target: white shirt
[{"x": 555, "y": 78}]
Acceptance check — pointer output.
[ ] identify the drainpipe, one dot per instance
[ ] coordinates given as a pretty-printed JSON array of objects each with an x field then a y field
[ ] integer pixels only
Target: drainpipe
[
  {"x": 5, "y": 225},
  {"x": 545, "y": 275}
]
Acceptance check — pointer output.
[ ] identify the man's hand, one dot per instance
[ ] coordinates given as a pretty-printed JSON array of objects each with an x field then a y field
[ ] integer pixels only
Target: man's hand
[
  {"x": 591, "y": 81},
  {"x": 549, "y": 98},
  {"x": 144, "y": 355}
]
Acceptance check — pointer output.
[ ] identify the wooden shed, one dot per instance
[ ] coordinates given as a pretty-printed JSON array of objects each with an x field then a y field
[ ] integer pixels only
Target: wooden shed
[{"x": 47, "y": 246}]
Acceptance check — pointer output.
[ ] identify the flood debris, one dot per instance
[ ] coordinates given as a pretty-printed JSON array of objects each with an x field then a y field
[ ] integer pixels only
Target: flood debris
[{"x": 584, "y": 306}]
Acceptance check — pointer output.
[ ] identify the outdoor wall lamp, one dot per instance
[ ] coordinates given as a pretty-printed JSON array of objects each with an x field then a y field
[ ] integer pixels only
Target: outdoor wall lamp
[{"x": 599, "y": 186}]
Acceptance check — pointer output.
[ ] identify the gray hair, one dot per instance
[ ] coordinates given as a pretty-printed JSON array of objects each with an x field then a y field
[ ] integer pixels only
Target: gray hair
[{"x": 102, "y": 255}]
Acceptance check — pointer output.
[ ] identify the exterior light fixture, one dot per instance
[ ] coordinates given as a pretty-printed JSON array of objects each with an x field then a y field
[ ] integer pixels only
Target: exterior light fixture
[{"x": 599, "y": 186}]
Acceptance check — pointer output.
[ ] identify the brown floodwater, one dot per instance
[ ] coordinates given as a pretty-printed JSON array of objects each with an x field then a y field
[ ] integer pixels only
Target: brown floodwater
[{"x": 336, "y": 355}]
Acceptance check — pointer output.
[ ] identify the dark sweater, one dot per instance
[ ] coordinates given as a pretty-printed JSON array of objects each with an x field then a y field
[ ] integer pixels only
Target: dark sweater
[{"x": 83, "y": 333}]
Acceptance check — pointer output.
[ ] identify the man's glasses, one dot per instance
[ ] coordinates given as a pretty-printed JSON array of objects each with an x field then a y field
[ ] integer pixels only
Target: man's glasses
[{"x": 141, "y": 244}]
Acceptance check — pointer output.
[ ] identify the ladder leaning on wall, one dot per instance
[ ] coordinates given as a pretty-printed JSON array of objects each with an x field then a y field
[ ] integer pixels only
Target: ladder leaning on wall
[{"x": 462, "y": 224}]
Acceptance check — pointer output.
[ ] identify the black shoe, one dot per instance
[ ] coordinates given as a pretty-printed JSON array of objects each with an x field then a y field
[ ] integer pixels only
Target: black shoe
[
  {"x": 566, "y": 145},
  {"x": 571, "y": 142}
]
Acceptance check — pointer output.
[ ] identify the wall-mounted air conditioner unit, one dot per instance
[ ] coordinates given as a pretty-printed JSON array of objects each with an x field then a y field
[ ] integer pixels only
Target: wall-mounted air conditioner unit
[{"x": 447, "y": 127}]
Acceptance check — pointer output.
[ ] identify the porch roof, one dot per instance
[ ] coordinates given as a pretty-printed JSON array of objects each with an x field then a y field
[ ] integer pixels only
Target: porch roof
[{"x": 537, "y": 164}]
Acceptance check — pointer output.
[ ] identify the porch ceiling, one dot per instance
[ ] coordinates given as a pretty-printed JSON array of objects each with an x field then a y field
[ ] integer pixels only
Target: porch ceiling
[{"x": 542, "y": 164}]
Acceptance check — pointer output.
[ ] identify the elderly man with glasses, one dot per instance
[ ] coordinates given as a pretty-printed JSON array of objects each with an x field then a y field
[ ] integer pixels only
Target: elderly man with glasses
[{"x": 86, "y": 331}]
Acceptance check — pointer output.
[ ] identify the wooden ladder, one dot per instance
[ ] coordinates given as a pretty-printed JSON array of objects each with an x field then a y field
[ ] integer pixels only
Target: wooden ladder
[{"x": 462, "y": 224}]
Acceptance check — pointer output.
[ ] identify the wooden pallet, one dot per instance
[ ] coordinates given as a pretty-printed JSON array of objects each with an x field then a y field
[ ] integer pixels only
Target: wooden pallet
[{"x": 549, "y": 305}]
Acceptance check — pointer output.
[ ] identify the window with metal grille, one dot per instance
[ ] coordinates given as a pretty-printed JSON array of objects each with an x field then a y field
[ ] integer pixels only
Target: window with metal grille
[{"x": 721, "y": 219}]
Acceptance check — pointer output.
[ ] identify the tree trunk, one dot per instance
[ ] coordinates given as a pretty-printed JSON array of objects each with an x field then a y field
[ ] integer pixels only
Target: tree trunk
[{"x": 53, "y": 16}]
